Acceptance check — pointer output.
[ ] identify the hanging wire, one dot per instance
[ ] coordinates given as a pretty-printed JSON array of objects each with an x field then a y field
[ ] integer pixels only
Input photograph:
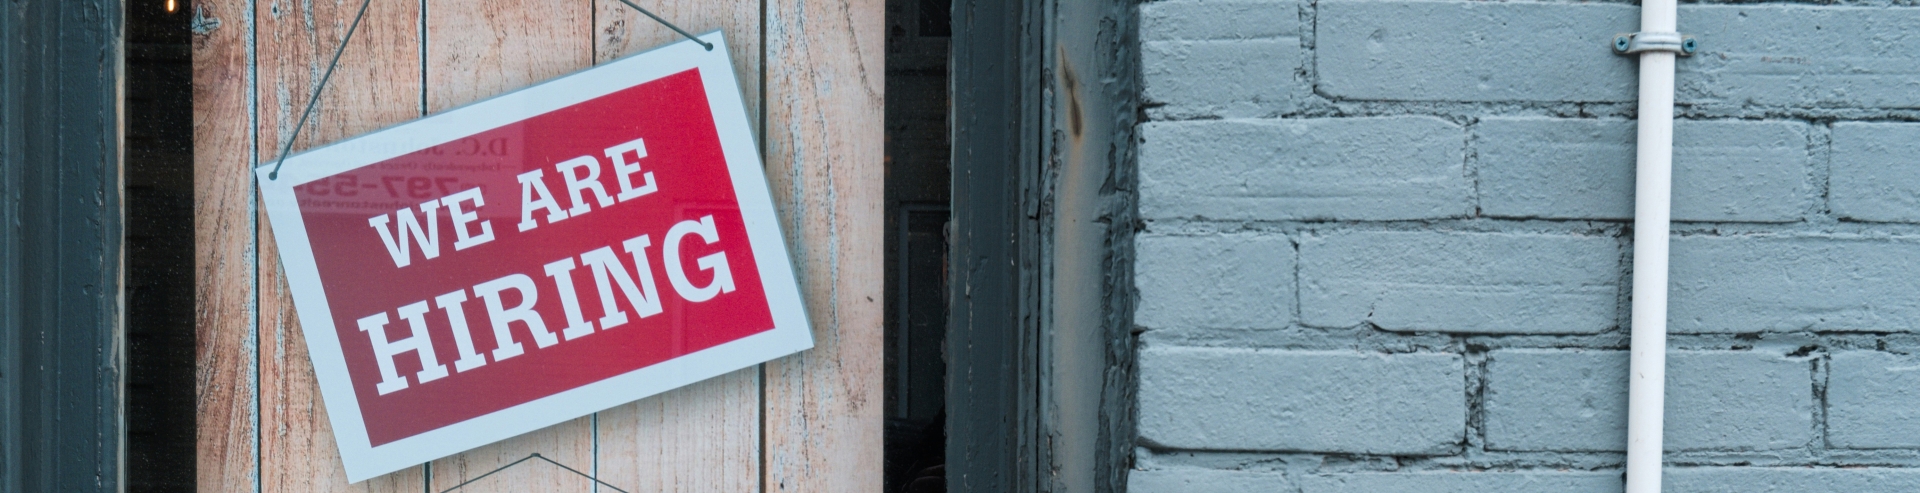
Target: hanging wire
[
  {"x": 275, "y": 174},
  {"x": 663, "y": 22},
  {"x": 535, "y": 455}
]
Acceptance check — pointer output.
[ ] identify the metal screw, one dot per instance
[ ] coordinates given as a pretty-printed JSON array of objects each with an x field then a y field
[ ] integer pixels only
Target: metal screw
[
  {"x": 1689, "y": 46},
  {"x": 1620, "y": 43}
]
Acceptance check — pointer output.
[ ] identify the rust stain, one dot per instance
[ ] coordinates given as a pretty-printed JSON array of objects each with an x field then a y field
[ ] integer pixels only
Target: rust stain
[{"x": 1072, "y": 83}]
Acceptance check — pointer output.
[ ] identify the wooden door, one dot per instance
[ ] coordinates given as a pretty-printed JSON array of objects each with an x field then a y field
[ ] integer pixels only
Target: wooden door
[{"x": 812, "y": 74}]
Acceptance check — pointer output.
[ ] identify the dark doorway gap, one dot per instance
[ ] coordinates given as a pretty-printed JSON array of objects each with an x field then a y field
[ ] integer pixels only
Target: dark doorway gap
[
  {"x": 159, "y": 298},
  {"x": 918, "y": 193}
]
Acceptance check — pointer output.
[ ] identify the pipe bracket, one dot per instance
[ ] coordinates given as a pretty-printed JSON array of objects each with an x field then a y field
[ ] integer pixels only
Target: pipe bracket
[{"x": 1632, "y": 43}]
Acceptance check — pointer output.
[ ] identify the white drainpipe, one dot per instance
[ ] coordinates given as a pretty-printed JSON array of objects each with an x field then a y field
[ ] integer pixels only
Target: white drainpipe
[{"x": 1657, "y": 44}]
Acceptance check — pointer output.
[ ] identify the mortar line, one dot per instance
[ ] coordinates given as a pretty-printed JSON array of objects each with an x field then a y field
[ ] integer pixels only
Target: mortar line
[
  {"x": 1298, "y": 303},
  {"x": 1822, "y": 381},
  {"x": 1820, "y": 143},
  {"x": 1470, "y": 164}
]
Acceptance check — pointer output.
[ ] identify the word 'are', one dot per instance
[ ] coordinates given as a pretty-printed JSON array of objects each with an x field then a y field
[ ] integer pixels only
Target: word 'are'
[{"x": 580, "y": 178}]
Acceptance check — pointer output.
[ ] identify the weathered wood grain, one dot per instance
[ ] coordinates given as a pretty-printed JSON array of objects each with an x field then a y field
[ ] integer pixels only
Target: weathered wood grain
[
  {"x": 376, "y": 84},
  {"x": 298, "y": 452},
  {"x": 569, "y": 443},
  {"x": 223, "y": 205},
  {"x": 825, "y": 83},
  {"x": 476, "y": 51},
  {"x": 702, "y": 437},
  {"x": 706, "y": 436},
  {"x": 620, "y": 31}
]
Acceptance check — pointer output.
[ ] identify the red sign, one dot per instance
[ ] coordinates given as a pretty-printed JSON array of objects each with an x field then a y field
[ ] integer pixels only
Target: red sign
[{"x": 534, "y": 258}]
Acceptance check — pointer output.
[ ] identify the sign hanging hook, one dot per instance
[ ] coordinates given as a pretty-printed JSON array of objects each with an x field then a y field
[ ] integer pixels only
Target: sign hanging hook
[
  {"x": 275, "y": 174},
  {"x": 663, "y": 22}
]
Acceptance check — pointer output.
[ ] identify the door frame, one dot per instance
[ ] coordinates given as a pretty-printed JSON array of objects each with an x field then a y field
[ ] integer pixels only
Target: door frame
[
  {"x": 61, "y": 342},
  {"x": 1040, "y": 337}
]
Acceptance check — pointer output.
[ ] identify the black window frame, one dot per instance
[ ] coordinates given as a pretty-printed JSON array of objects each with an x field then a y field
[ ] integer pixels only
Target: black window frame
[{"x": 62, "y": 353}]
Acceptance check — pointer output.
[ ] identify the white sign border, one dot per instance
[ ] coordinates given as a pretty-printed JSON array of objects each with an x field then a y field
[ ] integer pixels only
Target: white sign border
[{"x": 791, "y": 332}]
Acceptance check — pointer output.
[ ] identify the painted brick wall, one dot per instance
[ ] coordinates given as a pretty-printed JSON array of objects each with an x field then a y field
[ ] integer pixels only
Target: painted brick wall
[{"x": 1386, "y": 247}]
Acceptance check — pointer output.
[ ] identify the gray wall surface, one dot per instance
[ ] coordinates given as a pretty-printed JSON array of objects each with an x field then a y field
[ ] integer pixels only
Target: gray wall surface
[{"x": 1386, "y": 247}]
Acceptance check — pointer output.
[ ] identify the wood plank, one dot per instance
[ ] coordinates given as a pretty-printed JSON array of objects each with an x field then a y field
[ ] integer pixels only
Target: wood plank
[
  {"x": 298, "y": 452},
  {"x": 569, "y": 443},
  {"x": 224, "y": 366},
  {"x": 702, "y": 437},
  {"x": 620, "y": 31},
  {"x": 476, "y": 51},
  {"x": 376, "y": 84},
  {"x": 706, "y": 436},
  {"x": 825, "y": 83}
]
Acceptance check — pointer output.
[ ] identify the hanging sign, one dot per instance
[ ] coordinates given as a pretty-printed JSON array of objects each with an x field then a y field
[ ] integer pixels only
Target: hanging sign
[{"x": 535, "y": 257}]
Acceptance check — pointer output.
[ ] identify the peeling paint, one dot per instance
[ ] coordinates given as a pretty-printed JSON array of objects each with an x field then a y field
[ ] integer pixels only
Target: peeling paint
[{"x": 203, "y": 24}]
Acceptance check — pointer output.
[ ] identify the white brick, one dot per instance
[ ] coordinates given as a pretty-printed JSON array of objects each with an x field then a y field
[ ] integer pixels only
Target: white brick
[
  {"x": 1223, "y": 281},
  {"x": 1197, "y": 480},
  {"x": 1308, "y": 401},
  {"x": 1737, "y": 171},
  {"x": 1211, "y": 19},
  {"x": 1223, "y": 78},
  {"x": 1403, "y": 167},
  {"x": 1558, "y": 400},
  {"x": 1460, "y": 282},
  {"x": 1790, "y": 480},
  {"x": 1465, "y": 482},
  {"x": 1876, "y": 172},
  {"x": 1765, "y": 55},
  {"x": 1722, "y": 284},
  {"x": 1873, "y": 401}
]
